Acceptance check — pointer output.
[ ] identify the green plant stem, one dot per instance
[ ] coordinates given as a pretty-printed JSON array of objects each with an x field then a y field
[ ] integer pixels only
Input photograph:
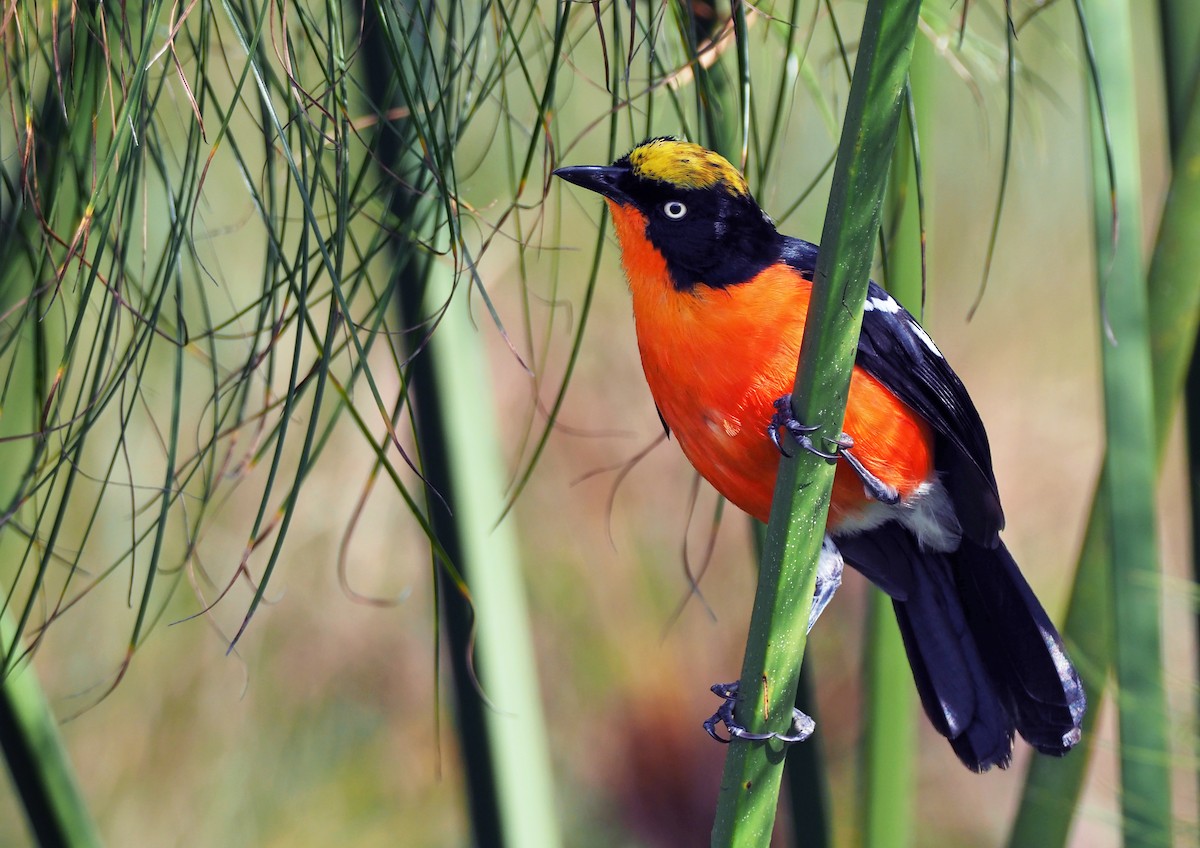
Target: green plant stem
[
  {"x": 502, "y": 734},
  {"x": 38, "y": 761},
  {"x": 1129, "y": 457},
  {"x": 1174, "y": 295},
  {"x": 1052, "y": 787},
  {"x": 806, "y": 784},
  {"x": 889, "y": 715},
  {"x": 775, "y": 646},
  {"x": 498, "y": 713},
  {"x": 808, "y": 794},
  {"x": 1180, "y": 28},
  {"x": 506, "y": 700},
  {"x": 889, "y": 732}
]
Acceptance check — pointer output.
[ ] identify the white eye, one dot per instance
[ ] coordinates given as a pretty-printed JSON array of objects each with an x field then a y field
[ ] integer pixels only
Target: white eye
[{"x": 674, "y": 210}]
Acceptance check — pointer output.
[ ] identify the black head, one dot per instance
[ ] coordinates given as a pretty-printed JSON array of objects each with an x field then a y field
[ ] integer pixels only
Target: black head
[{"x": 698, "y": 210}]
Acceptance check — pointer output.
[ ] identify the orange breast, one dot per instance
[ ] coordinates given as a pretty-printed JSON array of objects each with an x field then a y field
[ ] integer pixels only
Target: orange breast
[{"x": 717, "y": 359}]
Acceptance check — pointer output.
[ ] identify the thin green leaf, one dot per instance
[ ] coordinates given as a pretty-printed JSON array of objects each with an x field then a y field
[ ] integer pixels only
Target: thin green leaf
[{"x": 1010, "y": 77}]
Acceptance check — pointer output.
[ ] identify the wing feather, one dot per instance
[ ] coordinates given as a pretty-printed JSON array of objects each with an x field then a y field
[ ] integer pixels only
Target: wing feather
[{"x": 894, "y": 349}]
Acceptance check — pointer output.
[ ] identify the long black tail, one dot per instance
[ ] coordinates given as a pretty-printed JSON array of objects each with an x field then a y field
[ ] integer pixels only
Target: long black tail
[{"x": 984, "y": 655}]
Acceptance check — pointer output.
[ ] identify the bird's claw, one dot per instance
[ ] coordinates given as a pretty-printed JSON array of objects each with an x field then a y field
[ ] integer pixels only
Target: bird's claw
[
  {"x": 784, "y": 419},
  {"x": 802, "y": 725}
]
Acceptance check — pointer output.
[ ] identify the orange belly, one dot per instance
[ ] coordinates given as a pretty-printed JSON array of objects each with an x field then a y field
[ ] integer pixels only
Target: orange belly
[
  {"x": 741, "y": 462},
  {"x": 717, "y": 359}
]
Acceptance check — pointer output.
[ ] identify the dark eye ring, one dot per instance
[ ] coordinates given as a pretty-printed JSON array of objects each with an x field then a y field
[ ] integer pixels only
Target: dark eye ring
[{"x": 674, "y": 210}]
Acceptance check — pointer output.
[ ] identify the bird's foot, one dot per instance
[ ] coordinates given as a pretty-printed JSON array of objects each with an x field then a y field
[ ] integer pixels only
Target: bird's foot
[
  {"x": 842, "y": 446},
  {"x": 802, "y": 433},
  {"x": 802, "y": 725}
]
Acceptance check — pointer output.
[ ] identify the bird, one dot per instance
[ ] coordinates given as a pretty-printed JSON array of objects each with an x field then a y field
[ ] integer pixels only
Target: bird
[{"x": 719, "y": 302}]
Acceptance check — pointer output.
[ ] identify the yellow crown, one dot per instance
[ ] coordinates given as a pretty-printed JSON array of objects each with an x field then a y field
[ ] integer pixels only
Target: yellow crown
[{"x": 686, "y": 165}]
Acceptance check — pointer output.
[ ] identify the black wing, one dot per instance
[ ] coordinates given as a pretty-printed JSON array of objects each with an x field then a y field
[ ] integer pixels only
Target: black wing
[{"x": 895, "y": 350}]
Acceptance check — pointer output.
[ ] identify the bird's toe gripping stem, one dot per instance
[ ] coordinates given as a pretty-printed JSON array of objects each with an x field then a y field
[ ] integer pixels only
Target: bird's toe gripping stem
[
  {"x": 802, "y": 725},
  {"x": 802, "y": 433},
  {"x": 783, "y": 418}
]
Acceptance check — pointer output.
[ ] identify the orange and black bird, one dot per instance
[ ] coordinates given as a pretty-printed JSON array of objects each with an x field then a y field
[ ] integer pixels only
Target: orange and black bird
[{"x": 719, "y": 302}]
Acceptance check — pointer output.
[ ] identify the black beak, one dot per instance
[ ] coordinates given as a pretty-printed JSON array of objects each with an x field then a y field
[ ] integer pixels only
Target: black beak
[{"x": 602, "y": 179}]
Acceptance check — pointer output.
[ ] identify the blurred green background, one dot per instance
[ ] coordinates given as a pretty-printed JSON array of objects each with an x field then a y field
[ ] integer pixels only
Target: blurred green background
[{"x": 328, "y": 723}]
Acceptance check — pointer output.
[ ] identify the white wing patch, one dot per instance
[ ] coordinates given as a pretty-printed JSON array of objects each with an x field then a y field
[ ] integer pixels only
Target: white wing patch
[
  {"x": 890, "y": 305},
  {"x": 924, "y": 336},
  {"x": 881, "y": 304}
]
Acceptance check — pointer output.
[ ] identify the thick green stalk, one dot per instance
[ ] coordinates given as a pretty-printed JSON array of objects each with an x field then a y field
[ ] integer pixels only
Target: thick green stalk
[
  {"x": 889, "y": 716},
  {"x": 1129, "y": 457},
  {"x": 38, "y": 761},
  {"x": 1180, "y": 27},
  {"x": 889, "y": 732},
  {"x": 502, "y": 733},
  {"x": 775, "y": 646},
  {"x": 806, "y": 784},
  {"x": 1174, "y": 295},
  {"x": 809, "y": 798},
  {"x": 463, "y": 464},
  {"x": 1053, "y": 786},
  {"x": 807, "y": 793}
]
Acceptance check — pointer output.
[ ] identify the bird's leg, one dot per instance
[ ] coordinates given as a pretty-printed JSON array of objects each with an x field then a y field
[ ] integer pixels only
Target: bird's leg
[
  {"x": 802, "y": 725},
  {"x": 783, "y": 418},
  {"x": 874, "y": 487},
  {"x": 829, "y": 577}
]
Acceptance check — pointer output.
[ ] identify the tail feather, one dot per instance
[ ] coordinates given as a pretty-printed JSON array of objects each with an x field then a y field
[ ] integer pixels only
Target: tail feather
[
  {"x": 985, "y": 658},
  {"x": 1021, "y": 648},
  {"x": 955, "y": 689}
]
